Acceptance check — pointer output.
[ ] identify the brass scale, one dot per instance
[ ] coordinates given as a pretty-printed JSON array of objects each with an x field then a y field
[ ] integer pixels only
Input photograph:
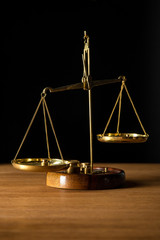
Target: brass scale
[{"x": 71, "y": 174}]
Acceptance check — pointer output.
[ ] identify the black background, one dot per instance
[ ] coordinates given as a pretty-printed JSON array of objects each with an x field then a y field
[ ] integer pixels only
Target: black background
[{"x": 42, "y": 46}]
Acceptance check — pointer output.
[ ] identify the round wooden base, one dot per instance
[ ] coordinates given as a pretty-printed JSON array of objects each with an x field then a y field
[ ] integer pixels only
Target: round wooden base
[{"x": 99, "y": 179}]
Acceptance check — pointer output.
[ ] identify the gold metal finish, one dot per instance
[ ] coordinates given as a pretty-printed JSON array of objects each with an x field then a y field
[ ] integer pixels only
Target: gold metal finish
[
  {"x": 135, "y": 110},
  {"x": 45, "y": 125},
  {"x": 85, "y": 168},
  {"x": 76, "y": 175},
  {"x": 53, "y": 129},
  {"x": 120, "y": 102},
  {"x": 74, "y": 166},
  {"x": 90, "y": 130},
  {"x": 76, "y": 86},
  {"x": 86, "y": 80},
  {"x": 40, "y": 164},
  {"x": 31, "y": 122},
  {"x": 122, "y": 138}
]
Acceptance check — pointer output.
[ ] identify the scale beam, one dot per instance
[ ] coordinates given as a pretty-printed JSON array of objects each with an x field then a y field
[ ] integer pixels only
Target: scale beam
[
  {"x": 76, "y": 86},
  {"x": 97, "y": 83}
]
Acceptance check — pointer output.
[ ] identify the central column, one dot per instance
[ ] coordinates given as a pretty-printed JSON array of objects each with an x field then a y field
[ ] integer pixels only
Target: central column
[
  {"x": 90, "y": 130},
  {"x": 87, "y": 85}
]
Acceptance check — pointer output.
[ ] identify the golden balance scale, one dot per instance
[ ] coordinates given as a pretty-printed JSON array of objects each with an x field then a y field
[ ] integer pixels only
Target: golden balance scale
[{"x": 71, "y": 174}]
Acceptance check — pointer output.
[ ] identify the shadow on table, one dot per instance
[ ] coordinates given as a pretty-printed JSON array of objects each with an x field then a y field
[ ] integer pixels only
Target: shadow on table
[
  {"x": 133, "y": 184},
  {"x": 154, "y": 181}
]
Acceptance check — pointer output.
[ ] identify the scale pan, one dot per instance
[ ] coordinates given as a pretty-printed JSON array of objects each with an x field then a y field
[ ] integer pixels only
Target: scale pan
[
  {"x": 40, "y": 164},
  {"x": 122, "y": 138}
]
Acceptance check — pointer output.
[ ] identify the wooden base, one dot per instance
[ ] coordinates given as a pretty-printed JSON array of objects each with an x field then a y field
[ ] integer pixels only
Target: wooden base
[{"x": 99, "y": 179}]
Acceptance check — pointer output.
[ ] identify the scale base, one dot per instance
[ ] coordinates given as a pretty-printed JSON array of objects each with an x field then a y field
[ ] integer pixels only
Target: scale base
[{"x": 101, "y": 178}]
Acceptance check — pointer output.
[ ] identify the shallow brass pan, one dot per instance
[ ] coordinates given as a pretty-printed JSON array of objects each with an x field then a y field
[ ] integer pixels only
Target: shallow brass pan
[
  {"x": 122, "y": 138},
  {"x": 40, "y": 164}
]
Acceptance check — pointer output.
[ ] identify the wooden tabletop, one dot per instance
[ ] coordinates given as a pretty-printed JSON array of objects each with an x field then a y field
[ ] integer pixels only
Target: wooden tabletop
[{"x": 31, "y": 210}]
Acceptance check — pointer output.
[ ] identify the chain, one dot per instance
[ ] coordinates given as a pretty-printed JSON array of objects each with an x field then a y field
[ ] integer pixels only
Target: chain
[
  {"x": 135, "y": 110},
  {"x": 120, "y": 104},
  {"x": 119, "y": 98},
  {"x": 60, "y": 152},
  {"x": 106, "y": 127},
  {"x": 45, "y": 108},
  {"x": 26, "y": 133},
  {"x": 45, "y": 125}
]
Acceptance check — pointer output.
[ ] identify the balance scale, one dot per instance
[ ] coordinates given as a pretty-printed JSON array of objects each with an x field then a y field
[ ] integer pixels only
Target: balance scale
[{"x": 71, "y": 174}]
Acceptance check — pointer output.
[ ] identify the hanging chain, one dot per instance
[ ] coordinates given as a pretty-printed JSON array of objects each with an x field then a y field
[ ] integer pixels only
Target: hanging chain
[
  {"x": 31, "y": 122},
  {"x": 135, "y": 110},
  {"x": 45, "y": 108},
  {"x": 60, "y": 152},
  {"x": 106, "y": 127},
  {"x": 120, "y": 104},
  {"x": 119, "y": 98},
  {"x": 45, "y": 125}
]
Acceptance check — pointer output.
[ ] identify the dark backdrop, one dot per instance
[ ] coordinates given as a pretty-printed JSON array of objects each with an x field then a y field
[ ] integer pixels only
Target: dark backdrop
[{"x": 42, "y": 46}]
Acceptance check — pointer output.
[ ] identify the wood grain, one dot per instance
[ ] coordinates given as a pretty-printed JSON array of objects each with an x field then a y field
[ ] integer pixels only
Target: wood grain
[
  {"x": 113, "y": 178},
  {"x": 31, "y": 210}
]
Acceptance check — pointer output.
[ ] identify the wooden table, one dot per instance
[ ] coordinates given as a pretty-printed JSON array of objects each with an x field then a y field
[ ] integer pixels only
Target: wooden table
[{"x": 31, "y": 210}]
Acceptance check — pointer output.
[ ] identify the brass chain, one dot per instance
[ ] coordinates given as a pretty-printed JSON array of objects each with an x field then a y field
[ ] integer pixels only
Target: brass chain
[
  {"x": 135, "y": 110},
  {"x": 120, "y": 104},
  {"x": 45, "y": 126},
  {"x": 119, "y": 98},
  {"x": 51, "y": 123},
  {"x": 26, "y": 133},
  {"x": 45, "y": 109},
  {"x": 106, "y": 127}
]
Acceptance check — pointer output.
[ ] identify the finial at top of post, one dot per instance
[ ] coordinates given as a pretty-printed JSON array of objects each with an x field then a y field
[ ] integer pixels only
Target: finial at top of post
[
  {"x": 86, "y": 38},
  {"x": 85, "y": 34},
  {"x": 122, "y": 78}
]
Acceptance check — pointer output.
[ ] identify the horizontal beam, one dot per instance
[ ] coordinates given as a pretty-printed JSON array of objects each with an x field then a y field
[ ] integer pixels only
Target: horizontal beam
[{"x": 75, "y": 86}]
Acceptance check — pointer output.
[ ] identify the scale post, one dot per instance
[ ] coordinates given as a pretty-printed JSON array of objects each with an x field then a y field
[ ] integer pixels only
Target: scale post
[{"x": 87, "y": 83}]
